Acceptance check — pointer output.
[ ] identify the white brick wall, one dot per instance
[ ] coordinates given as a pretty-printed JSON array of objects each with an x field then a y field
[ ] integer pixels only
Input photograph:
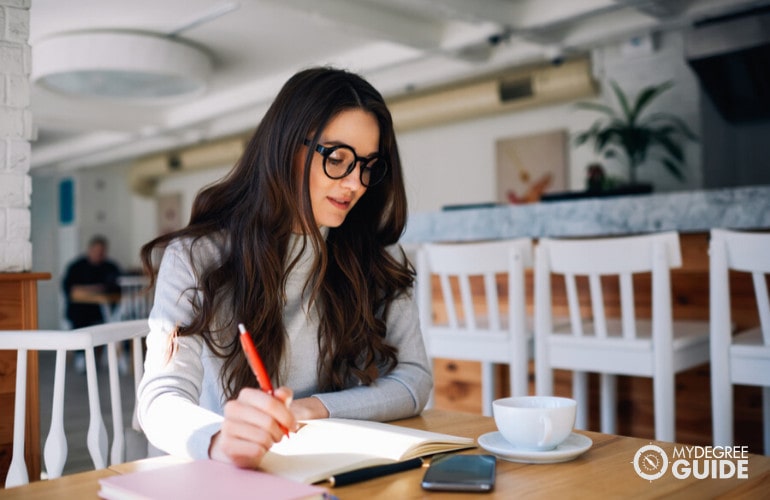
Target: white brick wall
[{"x": 15, "y": 133}]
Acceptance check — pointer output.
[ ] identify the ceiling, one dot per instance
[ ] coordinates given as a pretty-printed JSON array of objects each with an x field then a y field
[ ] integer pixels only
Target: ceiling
[{"x": 400, "y": 45}]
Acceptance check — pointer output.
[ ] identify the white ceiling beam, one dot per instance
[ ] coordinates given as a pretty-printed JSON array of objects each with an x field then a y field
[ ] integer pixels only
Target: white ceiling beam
[
  {"x": 669, "y": 10},
  {"x": 714, "y": 8},
  {"x": 527, "y": 14},
  {"x": 519, "y": 14},
  {"x": 614, "y": 26},
  {"x": 76, "y": 148},
  {"x": 121, "y": 152},
  {"x": 88, "y": 117},
  {"x": 372, "y": 21},
  {"x": 595, "y": 29}
]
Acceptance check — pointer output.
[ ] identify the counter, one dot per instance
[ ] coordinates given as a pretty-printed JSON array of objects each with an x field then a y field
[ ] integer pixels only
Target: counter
[{"x": 686, "y": 211}]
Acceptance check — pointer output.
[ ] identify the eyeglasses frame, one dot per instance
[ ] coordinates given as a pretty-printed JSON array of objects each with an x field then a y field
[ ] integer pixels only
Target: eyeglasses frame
[{"x": 325, "y": 151}]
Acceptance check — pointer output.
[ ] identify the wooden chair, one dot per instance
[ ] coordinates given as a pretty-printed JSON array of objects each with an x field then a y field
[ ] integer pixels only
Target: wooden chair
[
  {"x": 483, "y": 332},
  {"x": 658, "y": 347},
  {"x": 55, "y": 449},
  {"x": 744, "y": 357}
]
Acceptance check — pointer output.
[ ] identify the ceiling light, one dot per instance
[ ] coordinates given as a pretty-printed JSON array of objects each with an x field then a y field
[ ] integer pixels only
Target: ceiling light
[{"x": 120, "y": 65}]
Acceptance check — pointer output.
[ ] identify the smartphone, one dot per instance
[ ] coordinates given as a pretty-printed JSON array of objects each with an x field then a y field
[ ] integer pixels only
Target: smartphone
[{"x": 454, "y": 472}]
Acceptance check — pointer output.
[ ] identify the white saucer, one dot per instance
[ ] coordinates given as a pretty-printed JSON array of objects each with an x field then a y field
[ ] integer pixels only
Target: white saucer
[{"x": 571, "y": 448}]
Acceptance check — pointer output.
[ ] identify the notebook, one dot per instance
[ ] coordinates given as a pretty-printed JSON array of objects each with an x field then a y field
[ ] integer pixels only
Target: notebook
[
  {"x": 204, "y": 480},
  {"x": 325, "y": 447}
]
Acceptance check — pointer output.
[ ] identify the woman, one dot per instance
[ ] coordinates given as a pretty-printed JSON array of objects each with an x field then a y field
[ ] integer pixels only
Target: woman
[{"x": 298, "y": 243}]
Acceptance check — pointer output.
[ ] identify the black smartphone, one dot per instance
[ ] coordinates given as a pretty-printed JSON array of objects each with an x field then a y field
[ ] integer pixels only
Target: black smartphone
[{"x": 453, "y": 472}]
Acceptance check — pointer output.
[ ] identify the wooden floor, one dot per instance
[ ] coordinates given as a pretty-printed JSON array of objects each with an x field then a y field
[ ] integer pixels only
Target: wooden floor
[{"x": 76, "y": 412}]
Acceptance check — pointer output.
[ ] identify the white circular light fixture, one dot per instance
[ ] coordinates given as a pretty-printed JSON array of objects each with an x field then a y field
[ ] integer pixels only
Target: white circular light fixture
[{"x": 121, "y": 66}]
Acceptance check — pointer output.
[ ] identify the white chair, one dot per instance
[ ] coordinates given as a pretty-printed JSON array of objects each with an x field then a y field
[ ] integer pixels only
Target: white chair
[
  {"x": 658, "y": 347},
  {"x": 55, "y": 449},
  {"x": 491, "y": 337},
  {"x": 135, "y": 299},
  {"x": 743, "y": 358}
]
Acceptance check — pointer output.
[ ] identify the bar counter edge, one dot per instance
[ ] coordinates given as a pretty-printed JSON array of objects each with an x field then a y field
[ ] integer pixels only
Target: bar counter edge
[{"x": 683, "y": 211}]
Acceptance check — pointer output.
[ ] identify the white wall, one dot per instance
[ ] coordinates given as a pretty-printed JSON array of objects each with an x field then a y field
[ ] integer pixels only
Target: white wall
[
  {"x": 455, "y": 164},
  {"x": 145, "y": 225}
]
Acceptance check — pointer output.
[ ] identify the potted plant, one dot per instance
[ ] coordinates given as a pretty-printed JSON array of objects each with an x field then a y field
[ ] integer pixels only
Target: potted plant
[{"x": 636, "y": 136}]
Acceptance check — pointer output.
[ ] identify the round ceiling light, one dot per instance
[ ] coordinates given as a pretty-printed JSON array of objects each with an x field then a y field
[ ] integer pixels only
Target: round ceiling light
[{"x": 120, "y": 66}]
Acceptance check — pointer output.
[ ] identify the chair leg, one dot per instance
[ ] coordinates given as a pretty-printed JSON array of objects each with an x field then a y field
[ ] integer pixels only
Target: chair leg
[
  {"x": 96, "y": 437},
  {"x": 543, "y": 377},
  {"x": 518, "y": 370},
  {"x": 721, "y": 406},
  {"x": 609, "y": 402},
  {"x": 766, "y": 418},
  {"x": 55, "y": 450},
  {"x": 117, "y": 454},
  {"x": 431, "y": 400},
  {"x": 519, "y": 380},
  {"x": 17, "y": 471},
  {"x": 580, "y": 394},
  {"x": 137, "y": 357},
  {"x": 664, "y": 401},
  {"x": 487, "y": 387}
]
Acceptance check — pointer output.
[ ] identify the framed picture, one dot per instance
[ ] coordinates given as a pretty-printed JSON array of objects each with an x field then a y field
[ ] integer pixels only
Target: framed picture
[
  {"x": 528, "y": 166},
  {"x": 169, "y": 212}
]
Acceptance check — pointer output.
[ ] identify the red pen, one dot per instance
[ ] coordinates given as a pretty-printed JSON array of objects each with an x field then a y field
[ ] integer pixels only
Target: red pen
[{"x": 255, "y": 362}]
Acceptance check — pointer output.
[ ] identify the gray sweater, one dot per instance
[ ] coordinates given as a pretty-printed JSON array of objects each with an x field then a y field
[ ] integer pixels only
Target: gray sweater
[{"x": 180, "y": 401}]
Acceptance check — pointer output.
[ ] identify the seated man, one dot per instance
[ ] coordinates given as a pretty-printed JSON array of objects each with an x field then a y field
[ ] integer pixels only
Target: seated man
[{"x": 87, "y": 280}]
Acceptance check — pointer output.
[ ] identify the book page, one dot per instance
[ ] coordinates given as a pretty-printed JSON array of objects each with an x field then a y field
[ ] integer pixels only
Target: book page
[{"x": 326, "y": 447}]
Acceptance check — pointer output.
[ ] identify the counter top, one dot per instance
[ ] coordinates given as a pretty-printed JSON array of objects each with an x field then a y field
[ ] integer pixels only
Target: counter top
[{"x": 686, "y": 211}]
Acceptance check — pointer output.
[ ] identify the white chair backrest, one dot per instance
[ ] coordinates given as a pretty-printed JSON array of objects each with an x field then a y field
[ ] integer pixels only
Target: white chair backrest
[
  {"x": 135, "y": 299},
  {"x": 595, "y": 258},
  {"x": 461, "y": 262},
  {"x": 62, "y": 341},
  {"x": 479, "y": 330},
  {"x": 746, "y": 252}
]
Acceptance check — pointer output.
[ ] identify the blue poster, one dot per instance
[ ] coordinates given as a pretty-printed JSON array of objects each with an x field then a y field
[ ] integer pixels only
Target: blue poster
[{"x": 66, "y": 201}]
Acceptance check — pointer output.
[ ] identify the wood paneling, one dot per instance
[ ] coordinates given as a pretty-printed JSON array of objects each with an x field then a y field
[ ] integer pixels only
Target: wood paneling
[
  {"x": 18, "y": 311},
  {"x": 458, "y": 383}
]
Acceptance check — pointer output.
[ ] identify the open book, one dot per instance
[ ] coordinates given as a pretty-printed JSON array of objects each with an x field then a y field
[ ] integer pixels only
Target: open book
[{"x": 325, "y": 447}]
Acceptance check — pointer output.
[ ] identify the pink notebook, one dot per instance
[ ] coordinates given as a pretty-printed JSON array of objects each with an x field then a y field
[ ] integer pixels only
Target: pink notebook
[{"x": 204, "y": 479}]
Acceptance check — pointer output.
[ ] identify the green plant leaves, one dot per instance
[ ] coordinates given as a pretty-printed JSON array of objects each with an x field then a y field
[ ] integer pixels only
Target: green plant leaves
[{"x": 635, "y": 136}]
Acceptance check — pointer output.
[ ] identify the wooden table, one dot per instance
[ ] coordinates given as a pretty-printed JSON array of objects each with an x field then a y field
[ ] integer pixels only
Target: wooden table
[
  {"x": 604, "y": 471},
  {"x": 82, "y": 294}
]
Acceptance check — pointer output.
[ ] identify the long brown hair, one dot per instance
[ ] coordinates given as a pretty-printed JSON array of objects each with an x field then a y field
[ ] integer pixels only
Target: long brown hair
[{"x": 251, "y": 212}]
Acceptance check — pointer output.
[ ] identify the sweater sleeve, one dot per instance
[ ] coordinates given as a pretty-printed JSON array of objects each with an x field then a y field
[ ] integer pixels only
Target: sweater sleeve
[
  {"x": 404, "y": 391},
  {"x": 169, "y": 394}
]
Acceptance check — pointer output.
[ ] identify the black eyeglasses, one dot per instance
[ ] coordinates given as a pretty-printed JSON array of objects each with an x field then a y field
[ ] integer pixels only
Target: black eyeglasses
[{"x": 341, "y": 160}]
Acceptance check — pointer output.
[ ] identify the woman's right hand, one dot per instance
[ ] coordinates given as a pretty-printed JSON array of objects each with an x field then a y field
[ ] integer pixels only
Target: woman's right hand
[{"x": 252, "y": 425}]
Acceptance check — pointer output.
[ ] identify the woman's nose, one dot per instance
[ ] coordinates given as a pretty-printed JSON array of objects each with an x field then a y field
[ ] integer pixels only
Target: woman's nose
[{"x": 352, "y": 181}]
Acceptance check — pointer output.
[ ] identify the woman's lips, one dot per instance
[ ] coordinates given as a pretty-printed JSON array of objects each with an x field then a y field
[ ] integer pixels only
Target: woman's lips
[{"x": 341, "y": 204}]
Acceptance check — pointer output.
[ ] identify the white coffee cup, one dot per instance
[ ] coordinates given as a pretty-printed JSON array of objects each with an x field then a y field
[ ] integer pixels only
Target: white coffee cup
[{"x": 537, "y": 423}]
